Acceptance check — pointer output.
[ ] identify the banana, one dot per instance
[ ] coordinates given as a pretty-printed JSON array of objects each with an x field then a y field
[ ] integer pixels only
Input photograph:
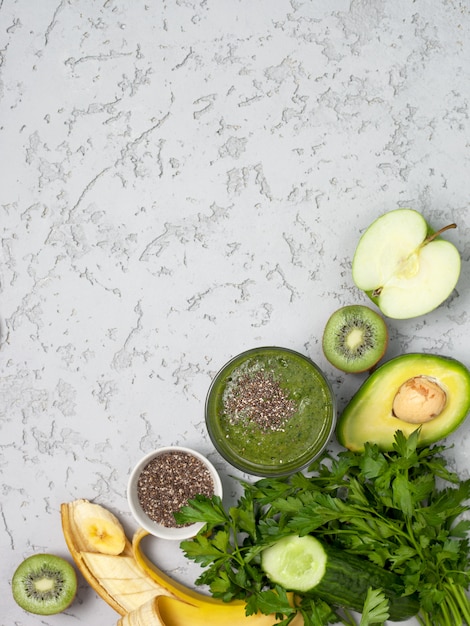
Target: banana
[
  {"x": 146, "y": 615},
  {"x": 98, "y": 529},
  {"x": 74, "y": 541},
  {"x": 122, "y": 579},
  {"x": 111, "y": 576}
]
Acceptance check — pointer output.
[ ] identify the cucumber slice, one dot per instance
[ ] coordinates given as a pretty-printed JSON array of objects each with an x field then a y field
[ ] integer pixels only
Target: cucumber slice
[{"x": 296, "y": 563}]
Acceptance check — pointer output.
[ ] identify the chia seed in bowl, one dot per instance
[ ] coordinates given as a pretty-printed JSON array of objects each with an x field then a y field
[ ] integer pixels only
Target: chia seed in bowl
[
  {"x": 168, "y": 481},
  {"x": 162, "y": 482}
]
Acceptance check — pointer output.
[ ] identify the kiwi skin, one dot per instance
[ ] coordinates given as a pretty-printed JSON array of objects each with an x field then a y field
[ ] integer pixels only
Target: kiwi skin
[
  {"x": 365, "y": 353},
  {"x": 54, "y": 572}
]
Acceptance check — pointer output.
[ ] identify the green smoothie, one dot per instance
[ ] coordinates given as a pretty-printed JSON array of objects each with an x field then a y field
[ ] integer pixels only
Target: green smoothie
[{"x": 270, "y": 411}]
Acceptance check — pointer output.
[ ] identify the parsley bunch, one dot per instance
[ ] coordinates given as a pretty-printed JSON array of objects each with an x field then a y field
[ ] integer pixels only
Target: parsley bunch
[{"x": 401, "y": 510}]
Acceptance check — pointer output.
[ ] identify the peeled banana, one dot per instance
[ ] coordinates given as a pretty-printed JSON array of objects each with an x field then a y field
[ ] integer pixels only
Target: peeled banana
[
  {"x": 97, "y": 529},
  {"x": 122, "y": 578},
  {"x": 115, "y": 578},
  {"x": 146, "y": 615}
]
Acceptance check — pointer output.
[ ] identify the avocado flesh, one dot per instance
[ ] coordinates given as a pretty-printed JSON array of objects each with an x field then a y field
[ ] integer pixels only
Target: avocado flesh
[{"x": 368, "y": 416}]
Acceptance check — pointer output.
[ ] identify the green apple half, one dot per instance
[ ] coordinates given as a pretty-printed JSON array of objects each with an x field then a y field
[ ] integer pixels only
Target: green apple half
[{"x": 404, "y": 266}]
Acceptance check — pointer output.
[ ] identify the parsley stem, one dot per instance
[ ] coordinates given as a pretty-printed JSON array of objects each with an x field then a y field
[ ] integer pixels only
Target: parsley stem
[
  {"x": 423, "y": 619},
  {"x": 348, "y": 619},
  {"x": 452, "y": 603},
  {"x": 462, "y": 601},
  {"x": 447, "y": 621}
]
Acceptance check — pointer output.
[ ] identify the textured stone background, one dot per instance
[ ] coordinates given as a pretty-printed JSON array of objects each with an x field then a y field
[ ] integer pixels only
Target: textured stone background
[{"x": 180, "y": 181}]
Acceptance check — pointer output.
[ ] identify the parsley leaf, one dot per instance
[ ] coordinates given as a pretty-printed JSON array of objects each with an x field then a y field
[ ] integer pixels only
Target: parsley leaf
[
  {"x": 270, "y": 601},
  {"x": 375, "y": 608},
  {"x": 202, "y": 509}
]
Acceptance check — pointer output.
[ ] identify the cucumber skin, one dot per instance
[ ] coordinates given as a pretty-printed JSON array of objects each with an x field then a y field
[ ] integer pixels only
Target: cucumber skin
[{"x": 348, "y": 577}]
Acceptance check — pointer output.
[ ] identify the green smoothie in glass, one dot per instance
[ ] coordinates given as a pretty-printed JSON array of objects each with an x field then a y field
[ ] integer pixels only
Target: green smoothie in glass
[{"x": 270, "y": 411}]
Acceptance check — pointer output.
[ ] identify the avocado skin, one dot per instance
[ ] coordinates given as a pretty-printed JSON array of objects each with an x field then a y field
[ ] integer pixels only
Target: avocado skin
[{"x": 368, "y": 415}]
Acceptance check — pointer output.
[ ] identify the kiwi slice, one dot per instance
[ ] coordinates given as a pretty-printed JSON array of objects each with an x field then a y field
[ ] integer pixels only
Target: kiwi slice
[
  {"x": 44, "y": 584},
  {"x": 355, "y": 338}
]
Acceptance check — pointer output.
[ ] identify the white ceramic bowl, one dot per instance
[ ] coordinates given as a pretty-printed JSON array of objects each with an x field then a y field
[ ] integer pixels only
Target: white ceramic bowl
[{"x": 154, "y": 528}]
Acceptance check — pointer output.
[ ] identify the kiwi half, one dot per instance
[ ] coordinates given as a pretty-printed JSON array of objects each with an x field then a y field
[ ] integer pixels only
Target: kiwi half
[
  {"x": 44, "y": 584},
  {"x": 355, "y": 338}
]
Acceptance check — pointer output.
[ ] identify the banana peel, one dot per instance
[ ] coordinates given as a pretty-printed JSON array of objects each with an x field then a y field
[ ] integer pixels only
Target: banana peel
[
  {"x": 168, "y": 611},
  {"x": 174, "y": 587},
  {"x": 137, "y": 589},
  {"x": 195, "y": 608}
]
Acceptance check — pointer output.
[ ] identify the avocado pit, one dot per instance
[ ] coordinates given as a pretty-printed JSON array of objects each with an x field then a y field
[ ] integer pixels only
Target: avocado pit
[{"x": 418, "y": 400}]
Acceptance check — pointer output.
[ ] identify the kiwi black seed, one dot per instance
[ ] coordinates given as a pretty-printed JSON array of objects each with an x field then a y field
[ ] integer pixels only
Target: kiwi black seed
[
  {"x": 44, "y": 584},
  {"x": 355, "y": 338}
]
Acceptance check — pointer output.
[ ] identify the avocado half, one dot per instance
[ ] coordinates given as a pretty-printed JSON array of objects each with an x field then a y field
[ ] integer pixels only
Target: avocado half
[{"x": 369, "y": 416}]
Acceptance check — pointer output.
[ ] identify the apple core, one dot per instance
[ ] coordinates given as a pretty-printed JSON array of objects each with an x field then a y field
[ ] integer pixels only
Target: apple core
[
  {"x": 419, "y": 400},
  {"x": 409, "y": 267}
]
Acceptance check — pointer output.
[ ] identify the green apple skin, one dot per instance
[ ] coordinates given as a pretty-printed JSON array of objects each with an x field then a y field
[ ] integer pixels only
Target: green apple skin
[
  {"x": 368, "y": 417},
  {"x": 374, "y": 299},
  {"x": 403, "y": 313}
]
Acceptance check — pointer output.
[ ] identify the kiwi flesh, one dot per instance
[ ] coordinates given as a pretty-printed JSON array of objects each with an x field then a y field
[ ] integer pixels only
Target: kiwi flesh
[
  {"x": 44, "y": 584},
  {"x": 355, "y": 338}
]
